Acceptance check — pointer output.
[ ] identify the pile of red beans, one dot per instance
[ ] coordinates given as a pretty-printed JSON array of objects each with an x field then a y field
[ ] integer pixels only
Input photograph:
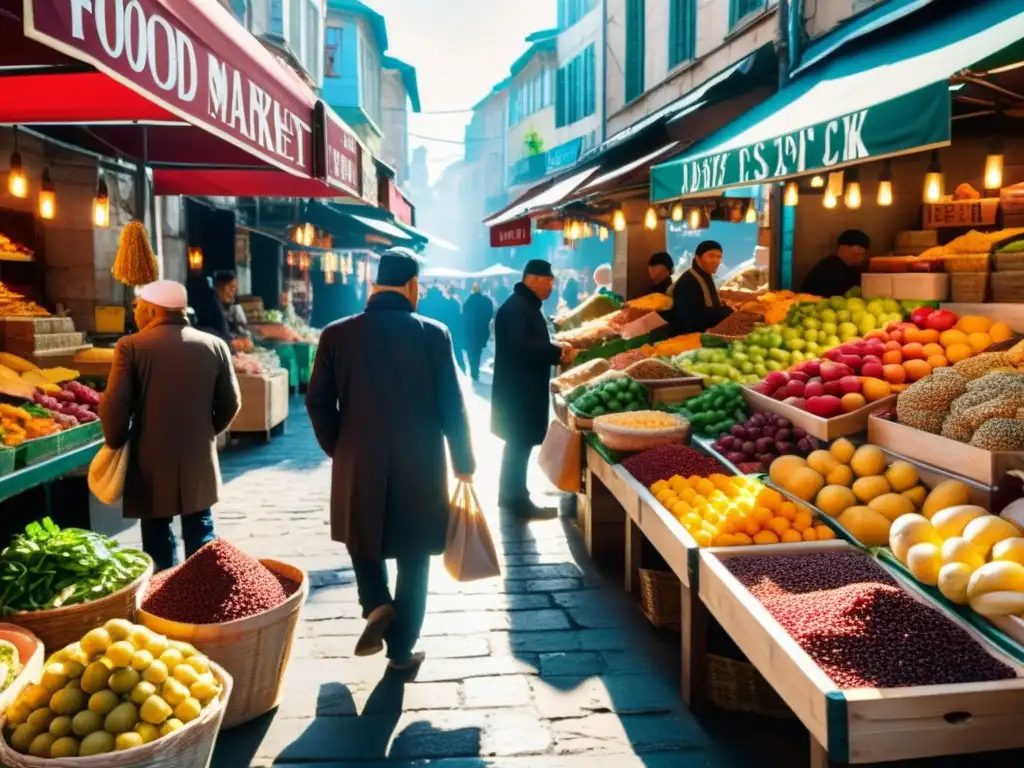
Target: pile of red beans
[
  {"x": 663, "y": 462},
  {"x": 860, "y": 626}
]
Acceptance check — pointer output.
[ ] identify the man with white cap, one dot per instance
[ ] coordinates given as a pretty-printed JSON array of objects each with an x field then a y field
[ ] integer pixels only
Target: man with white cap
[{"x": 172, "y": 390}]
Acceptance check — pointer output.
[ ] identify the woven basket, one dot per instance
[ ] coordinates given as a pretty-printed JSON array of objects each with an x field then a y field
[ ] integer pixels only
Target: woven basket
[
  {"x": 736, "y": 686},
  {"x": 254, "y": 650},
  {"x": 1008, "y": 287},
  {"x": 31, "y": 656},
  {"x": 58, "y": 627},
  {"x": 1010, "y": 261},
  {"x": 972, "y": 262},
  {"x": 968, "y": 287},
  {"x": 660, "y": 598},
  {"x": 188, "y": 747}
]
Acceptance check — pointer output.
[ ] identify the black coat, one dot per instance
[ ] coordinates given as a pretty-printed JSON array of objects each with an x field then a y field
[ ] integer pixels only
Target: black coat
[
  {"x": 383, "y": 397},
  {"x": 477, "y": 313},
  {"x": 695, "y": 303},
  {"x": 523, "y": 358},
  {"x": 831, "y": 277}
]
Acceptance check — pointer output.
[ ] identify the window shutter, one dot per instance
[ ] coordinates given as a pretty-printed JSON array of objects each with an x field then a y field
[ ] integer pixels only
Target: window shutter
[
  {"x": 589, "y": 77},
  {"x": 635, "y": 20},
  {"x": 560, "y": 98}
]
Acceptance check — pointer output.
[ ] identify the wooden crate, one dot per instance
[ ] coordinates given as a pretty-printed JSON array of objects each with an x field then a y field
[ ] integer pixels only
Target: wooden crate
[
  {"x": 815, "y": 426},
  {"x": 966, "y": 461},
  {"x": 867, "y": 725},
  {"x": 264, "y": 402}
]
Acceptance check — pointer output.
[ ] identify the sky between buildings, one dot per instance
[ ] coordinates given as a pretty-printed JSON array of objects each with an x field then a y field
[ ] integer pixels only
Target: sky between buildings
[{"x": 460, "y": 49}]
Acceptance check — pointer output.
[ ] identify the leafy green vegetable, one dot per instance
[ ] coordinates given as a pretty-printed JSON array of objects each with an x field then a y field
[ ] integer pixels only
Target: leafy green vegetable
[
  {"x": 36, "y": 410},
  {"x": 46, "y": 567}
]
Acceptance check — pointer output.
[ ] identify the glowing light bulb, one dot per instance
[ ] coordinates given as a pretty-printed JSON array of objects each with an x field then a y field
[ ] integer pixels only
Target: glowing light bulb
[
  {"x": 818, "y": 181},
  {"x": 994, "y": 171},
  {"x": 619, "y": 221},
  {"x": 829, "y": 200},
  {"x": 693, "y": 220},
  {"x": 934, "y": 183},
  {"x": 677, "y": 212},
  {"x": 651, "y": 219},
  {"x": 791, "y": 195},
  {"x": 17, "y": 181},
  {"x": 853, "y": 196},
  {"x": 751, "y": 215},
  {"x": 101, "y": 207}
]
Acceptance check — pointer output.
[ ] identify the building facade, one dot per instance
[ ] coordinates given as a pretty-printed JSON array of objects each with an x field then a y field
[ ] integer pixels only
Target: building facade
[
  {"x": 399, "y": 94},
  {"x": 295, "y": 27}
]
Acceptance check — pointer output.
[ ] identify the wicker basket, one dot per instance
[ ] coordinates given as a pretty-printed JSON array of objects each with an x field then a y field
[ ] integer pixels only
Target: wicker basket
[
  {"x": 254, "y": 650},
  {"x": 968, "y": 287},
  {"x": 629, "y": 440},
  {"x": 970, "y": 262},
  {"x": 736, "y": 686},
  {"x": 660, "y": 598},
  {"x": 1008, "y": 287},
  {"x": 188, "y": 747},
  {"x": 58, "y": 627},
  {"x": 1009, "y": 261},
  {"x": 31, "y": 656}
]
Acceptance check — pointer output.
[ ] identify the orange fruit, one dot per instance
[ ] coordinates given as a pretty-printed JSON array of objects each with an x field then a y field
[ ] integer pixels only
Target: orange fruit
[
  {"x": 742, "y": 540},
  {"x": 787, "y": 509},
  {"x": 766, "y": 537},
  {"x": 810, "y": 535},
  {"x": 974, "y": 324},
  {"x": 852, "y": 401},
  {"x": 803, "y": 521},
  {"x": 1000, "y": 332},
  {"x": 892, "y": 357},
  {"x": 894, "y": 373},
  {"x": 897, "y": 388},
  {"x": 877, "y": 334},
  {"x": 979, "y": 342},
  {"x": 957, "y": 352},
  {"x": 875, "y": 389},
  {"x": 912, "y": 334},
  {"x": 937, "y": 361},
  {"x": 769, "y": 497},
  {"x": 916, "y": 369},
  {"x": 893, "y": 346},
  {"x": 824, "y": 532},
  {"x": 929, "y": 336},
  {"x": 914, "y": 351},
  {"x": 751, "y": 527},
  {"x": 951, "y": 337},
  {"x": 791, "y": 537},
  {"x": 933, "y": 349}
]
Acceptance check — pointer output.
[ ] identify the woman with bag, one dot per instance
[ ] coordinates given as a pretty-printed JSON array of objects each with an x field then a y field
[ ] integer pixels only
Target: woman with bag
[
  {"x": 383, "y": 398},
  {"x": 172, "y": 390}
]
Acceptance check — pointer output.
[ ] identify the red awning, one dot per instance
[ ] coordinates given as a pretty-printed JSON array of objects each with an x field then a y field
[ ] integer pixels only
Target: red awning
[
  {"x": 227, "y": 183},
  {"x": 184, "y": 72}
]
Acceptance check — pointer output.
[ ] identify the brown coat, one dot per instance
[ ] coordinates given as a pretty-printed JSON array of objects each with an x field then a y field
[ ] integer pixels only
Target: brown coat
[{"x": 172, "y": 390}]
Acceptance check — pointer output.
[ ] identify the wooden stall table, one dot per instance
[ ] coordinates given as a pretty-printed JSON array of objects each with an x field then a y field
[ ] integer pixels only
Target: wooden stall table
[
  {"x": 264, "y": 403},
  {"x": 861, "y": 725}
]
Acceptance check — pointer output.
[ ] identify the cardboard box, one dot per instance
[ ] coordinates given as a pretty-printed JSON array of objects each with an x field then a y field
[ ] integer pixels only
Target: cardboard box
[
  {"x": 815, "y": 426},
  {"x": 876, "y": 285},
  {"x": 920, "y": 286}
]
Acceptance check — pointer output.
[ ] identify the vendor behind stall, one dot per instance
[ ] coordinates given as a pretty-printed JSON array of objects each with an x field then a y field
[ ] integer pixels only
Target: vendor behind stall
[
  {"x": 836, "y": 274},
  {"x": 695, "y": 303},
  {"x": 226, "y": 285},
  {"x": 659, "y": 269}
]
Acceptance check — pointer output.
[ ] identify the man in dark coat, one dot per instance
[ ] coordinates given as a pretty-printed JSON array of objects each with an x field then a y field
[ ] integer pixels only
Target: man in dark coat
[
  {"x": 695, "y": 302},
  {"x": 520, "y": 397},
  {"x": 172, "y": 390},
  {"x": 383, "y": 397},
  {"x": 659, "y": 270},
  {"x": 477, "y": 313},
  {"x": 836, "y": 274}
]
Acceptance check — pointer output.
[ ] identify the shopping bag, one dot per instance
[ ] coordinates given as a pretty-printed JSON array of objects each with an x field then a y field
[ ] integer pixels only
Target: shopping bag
[
  {"x": 561, "y": 456},
  {"x": 107, "y": 472},
  {"x": 469, "y": 552}
]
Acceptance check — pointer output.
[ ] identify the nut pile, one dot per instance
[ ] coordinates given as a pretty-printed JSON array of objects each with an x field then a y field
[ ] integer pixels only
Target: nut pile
[
  {"x": 218, "y": 583},
  {"x": 665, "y": 461},
  {"x": 860, "y": 626}
]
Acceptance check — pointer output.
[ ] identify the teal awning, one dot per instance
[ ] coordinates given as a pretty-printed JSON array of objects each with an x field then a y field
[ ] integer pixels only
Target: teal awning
[
  {"x": 880, "y": 100},
  {"x": 355, "y": 226},
  {"x": 419, "y": 234}
]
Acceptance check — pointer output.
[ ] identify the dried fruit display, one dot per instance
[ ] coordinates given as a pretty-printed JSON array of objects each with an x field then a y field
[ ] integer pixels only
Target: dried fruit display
[
  {"x": 860, "y": 626},
  {"x": 666, "y": 461},
  {"x": 15, "y": 305}
]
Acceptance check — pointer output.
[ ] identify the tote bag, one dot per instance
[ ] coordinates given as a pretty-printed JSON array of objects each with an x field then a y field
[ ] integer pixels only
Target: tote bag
[
  {"x": 561, "y": 457},
  {"x": 469, "y": 552},
  {"x": 107, "y": 472}
]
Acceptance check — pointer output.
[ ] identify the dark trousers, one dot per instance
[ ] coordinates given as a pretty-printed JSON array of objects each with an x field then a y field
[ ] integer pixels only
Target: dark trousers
[
  {"x": 474, "y": 353},
  {"x": 410, "y": 600},
  {"x": 512, "y": 490},
  {"x": 158, "y": 537}
]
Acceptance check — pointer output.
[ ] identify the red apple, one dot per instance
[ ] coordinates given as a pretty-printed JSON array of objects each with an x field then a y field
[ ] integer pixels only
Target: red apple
[
  {"x": 835, "y": 371},
  {"x": 832, "y": 388},
  {"x": 941, "y": 320},
  {"x": 825, "y": 406},
  {"x": 849, "y": 384},
  {"x": 795, "y": 388},
  {"x": 776, "y": 380},
  {"x": 873, "y": 369},
  {"x": 833, "y": 354},
  {"x": 799, "y": 376},
  {"x": 813, "y": 367},
  {"x": 814, "y": 389},
  {"x": 796, "y": 402},
  {"x": 780, "y": 394},
  {"x": 919, "y": 316},
  {"x": 851, "y": 361}
]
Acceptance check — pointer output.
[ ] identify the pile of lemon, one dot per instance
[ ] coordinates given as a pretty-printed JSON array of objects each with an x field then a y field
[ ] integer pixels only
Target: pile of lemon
[
  {"x": 120, "y": 687},
  {"x": 731, "y": 511}
]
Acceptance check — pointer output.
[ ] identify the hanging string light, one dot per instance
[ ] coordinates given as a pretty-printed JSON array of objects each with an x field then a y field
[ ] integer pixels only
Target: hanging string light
[
  {"x": 619, "y": 220},
  {"x": 195, "y": 258},
  {"x": 994, "y": 164},
  {"x": 885, "y": 185},
  {"x": 677, "y": 212},
  {"x": 602, "y": 233},
  {"x": 934, "y": 182},
  {"x": 693, "y": 219},
  {"x": 791, "y": 194},
  {"x": 829, "y": 200},
  {"x": 101, "y": 206},
  {"x": 852, "y": 198},
  {"x": 751, "y": 216},
  {"x": 651, "y": 219},
  {"x": 47, "y": 203},
  {"x": 575, "y": 231},
  {"x": 818, "y": 181},
  {"x": 17, "y": 181}
]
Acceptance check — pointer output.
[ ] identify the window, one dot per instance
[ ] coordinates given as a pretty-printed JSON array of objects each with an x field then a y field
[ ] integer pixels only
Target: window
[
  {"x": 332, "y": 52},
  {"x": 547, "y": 87},
  {"x": 740, "y": 9},
  {"x": 530, "y": 97},
  {"x": 682, "y": 31},
  {"x": 294, "y": 36},
  {"x": 635, "y": 48},
  {"x": 576, "y": 96},
  {"x": 369, "y": 77},
  {"x": 277, "y": 17},
  {"x": 312, "y": 57},
  {"x": 571, "y": 11}
]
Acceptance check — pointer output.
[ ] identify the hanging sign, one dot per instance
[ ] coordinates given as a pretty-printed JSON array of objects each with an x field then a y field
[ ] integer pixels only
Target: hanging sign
[
  {"x": 339, "y": 155},
  {"x": 961, "y": 213},
  {"x": 511, "y": 233},
  {"x": 191, "y": 59},
  {"x": 913, "y": 122}
]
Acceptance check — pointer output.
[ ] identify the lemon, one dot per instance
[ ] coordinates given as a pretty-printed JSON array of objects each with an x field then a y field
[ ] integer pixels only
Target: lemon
[
  {"x": 121, "y": 653},
  {"x": 119, "y": 629},
  {"x": 96, "y": 641}
]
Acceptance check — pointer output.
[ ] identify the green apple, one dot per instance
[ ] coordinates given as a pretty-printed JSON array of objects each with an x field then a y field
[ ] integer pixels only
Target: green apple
[
  {"x": 832, "y": 341},
  {"x": 812, "y": 324},
  {"x": 890, "y": 306},
  {"x": 837, "y": 303},
  {"x": 798, "y": 356},
  {"x": 812, "y": 349},
  {"x": 828, "y": 316},
  {"x": 857, "y": 315},
  {"x": 875, "y": 307},
  {"x": 847, "y": 331},
  {"x": 855, "y": 304},
  {"x": 867, "y": 324},
  {"x": 811, "y": 335},
  {"x": 774, "y": 365},
  {"x": 747, "y": 367},
  {"x": 795, "y": 344},
  {"x": 791, "y": 333},
  {"x": 829, "y": 329},
  {"x": 760, "y": 370},
  {"x": 843, "y": 316}
]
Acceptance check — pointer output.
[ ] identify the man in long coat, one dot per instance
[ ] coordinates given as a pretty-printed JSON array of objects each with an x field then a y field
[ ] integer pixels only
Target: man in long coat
[
  {"x": 383, "y": 398},
  {"x": 172, "y": 390},
  {"x": 477, "y": 313},
  {"x": 520, "y": 397}
]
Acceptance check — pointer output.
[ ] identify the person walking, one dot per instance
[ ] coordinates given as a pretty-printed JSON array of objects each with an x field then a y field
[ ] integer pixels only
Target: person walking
[
  {"x": 383, "y": 398},
  {"x": 172, "y": 390},
  {"x": 571, "y": 294},
  {"x": 477, "y": 313},
  {"x": 452, "y": 319},
  {"x": 520, "y": 398}
]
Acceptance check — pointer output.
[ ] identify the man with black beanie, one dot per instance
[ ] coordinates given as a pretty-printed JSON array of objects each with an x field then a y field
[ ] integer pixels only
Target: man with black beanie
[
  {"x": 695, "y": 302},
  {"x": 383, "y": 398},
  {"x": 838, "y": 273},
  {"x": 659, "y": 269},
  {"x": 520, "y": 396}
]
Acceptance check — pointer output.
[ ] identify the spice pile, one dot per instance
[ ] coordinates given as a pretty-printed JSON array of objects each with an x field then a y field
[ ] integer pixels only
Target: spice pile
[
  {"x": 663, "y": 462},
  {"x": 219, "y": 583},
  {"x": 736, "y": 325},
  {"x": 860, "y": 626},
  {"x": 652, "y": 370}
]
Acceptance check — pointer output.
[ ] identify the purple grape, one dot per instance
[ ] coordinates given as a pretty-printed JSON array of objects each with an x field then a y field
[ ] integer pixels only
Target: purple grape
[
  {"x": 804, "y": 445},
  {"x": 749, "y": 448},
  {"x": 735, "y": 457},
  {"x": 784, "y": 434},
  {"x": 799, "y": 434},
  {"x": 784, "y": 449}
]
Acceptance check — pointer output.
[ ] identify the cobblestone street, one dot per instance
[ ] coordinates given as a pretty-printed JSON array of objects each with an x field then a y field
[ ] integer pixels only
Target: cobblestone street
[{"x": 545, "y": 668}]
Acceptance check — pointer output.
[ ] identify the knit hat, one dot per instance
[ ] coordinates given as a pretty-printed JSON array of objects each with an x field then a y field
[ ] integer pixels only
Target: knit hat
[
  {"x": 538, "y": 267},
  {"x": 397, "y": 267},
  {"x": 707, "y": 245},
  {"x": 165, "y": 293}
]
